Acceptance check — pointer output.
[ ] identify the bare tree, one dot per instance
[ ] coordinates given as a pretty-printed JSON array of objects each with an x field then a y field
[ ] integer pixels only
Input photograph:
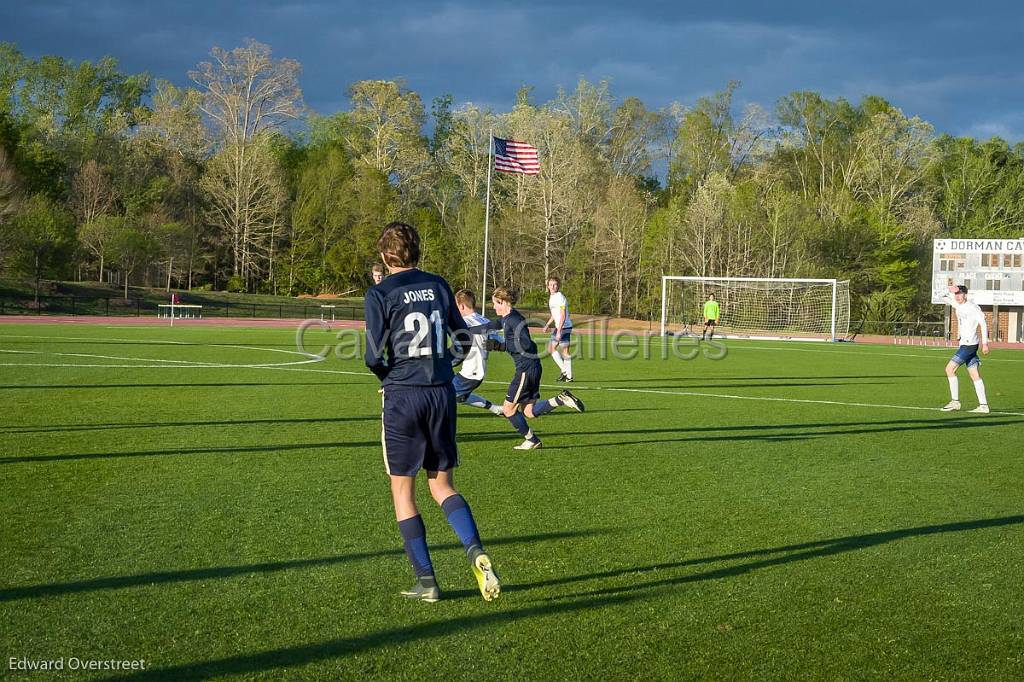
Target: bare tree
[
  {"x": 174, "y": 133},
  {"x": 248, "y": 199},
  {"x": 620, "y": 221},
  {"x": 893, "y": 155},
  {"x": 92, "y": 195},
  {"x": 704, "y": 226},
  {"x": 8, "y": 187},
  {"x": 384, "y": 131},
  {"x": 9, "y": 202},
  {"x": 246, "y": 95},
  {"x": 468, "y": 147},
  {"x": 634, "y": 133},
  {"x": 175, "y": 124},
  {"x": 564, "y": 194}
]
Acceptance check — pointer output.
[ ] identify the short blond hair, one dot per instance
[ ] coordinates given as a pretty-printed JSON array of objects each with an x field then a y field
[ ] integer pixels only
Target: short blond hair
[
  {"x": 505, "y": 294},
  {"x": 465, "y": 297}
]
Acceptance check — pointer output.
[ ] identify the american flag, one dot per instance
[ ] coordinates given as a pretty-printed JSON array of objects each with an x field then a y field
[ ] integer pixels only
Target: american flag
[{"x": 511, "y": 156}]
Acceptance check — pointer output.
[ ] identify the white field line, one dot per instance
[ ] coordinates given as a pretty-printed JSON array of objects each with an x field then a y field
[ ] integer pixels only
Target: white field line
[
  {"x": 864, "y": 350},
  {"x": 695, "y": 394},
  {"x": 94, "y": 338},
  {"x": 310, "y": 358},
  {"x": 102, "y": 357},
  {"x": 791, "y": 346}
]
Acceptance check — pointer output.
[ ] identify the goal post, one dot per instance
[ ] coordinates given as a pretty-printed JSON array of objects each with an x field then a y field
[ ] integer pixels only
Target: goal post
[{"x": 758, "y": 308}]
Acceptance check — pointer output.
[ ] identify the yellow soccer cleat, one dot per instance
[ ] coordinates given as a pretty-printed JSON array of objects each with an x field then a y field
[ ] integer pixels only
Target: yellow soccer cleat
[{"x": 486, "y": 578}]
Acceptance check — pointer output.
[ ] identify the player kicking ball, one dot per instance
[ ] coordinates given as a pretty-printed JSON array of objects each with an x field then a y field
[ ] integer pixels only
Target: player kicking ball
[
  {"x": 968, "y": 317},
  {"x": 523, "y": 399},
  {"x": 409, "y": 318},
  {"x": 474, "y": 367}
]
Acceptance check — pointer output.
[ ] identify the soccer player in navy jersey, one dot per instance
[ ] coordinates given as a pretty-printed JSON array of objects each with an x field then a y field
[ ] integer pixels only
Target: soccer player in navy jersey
[
  {"x": 377, "y": 273},
  {"x": 523, "y": 399},
  {"x": 409, "y": 318}
]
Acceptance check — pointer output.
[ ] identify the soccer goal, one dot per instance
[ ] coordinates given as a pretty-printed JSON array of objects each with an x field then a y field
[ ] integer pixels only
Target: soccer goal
[{"x": 755, "y": 308}]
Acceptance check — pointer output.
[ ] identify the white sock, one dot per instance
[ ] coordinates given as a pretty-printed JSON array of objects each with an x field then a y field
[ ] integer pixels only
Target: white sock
[
  {"x": 567, "y": 366},
  {"x": 557, "y": 357},
  {"x": 954, "y": 388},
  {"x": 979, "y": 387}
]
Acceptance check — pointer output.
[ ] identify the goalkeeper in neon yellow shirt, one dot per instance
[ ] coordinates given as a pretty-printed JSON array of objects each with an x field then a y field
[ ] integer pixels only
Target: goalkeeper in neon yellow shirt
[{"x": 712, "y": 314}]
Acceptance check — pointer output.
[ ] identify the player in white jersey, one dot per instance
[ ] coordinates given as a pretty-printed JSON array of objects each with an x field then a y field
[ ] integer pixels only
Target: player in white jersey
[
  {"x": 562, "y": 329},
  {"x": 968, "y": 317},
  {"x": 474, "y": 367}
]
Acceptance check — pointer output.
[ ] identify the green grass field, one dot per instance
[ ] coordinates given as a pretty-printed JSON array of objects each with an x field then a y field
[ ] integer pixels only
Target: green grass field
[{"x": 791, "y": 511}]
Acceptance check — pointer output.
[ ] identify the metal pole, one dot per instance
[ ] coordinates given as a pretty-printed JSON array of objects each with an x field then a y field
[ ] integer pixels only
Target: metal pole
[
  {"x": 487, "y": 214},
  {"x": 834, "y": 285},
  {"x": 664, "y": 304}
]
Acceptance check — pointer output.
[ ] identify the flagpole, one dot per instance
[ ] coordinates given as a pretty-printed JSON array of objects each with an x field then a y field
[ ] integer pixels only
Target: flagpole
[{"x": 487, "y": 215}]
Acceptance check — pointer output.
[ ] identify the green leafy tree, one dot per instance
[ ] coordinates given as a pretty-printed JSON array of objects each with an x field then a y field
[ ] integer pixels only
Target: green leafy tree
[
  {"x": 131, "y": 249},
  {"x": 42, "y": 236},
  {"x": 323, "y": 209}
]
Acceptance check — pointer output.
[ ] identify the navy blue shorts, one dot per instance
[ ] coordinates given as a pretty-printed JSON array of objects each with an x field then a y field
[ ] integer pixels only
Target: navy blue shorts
[
  {"x": 418, "y": 429},
  {"x": 966, "y": 355},
  {"x": 566, "y": 337},
  {"x": 525, "y": 385},
  {"x": 463, "y": 387}
]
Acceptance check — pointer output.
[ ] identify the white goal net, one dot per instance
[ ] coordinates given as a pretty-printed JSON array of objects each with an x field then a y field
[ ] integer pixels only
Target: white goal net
[{"x": 799, "y": 309}]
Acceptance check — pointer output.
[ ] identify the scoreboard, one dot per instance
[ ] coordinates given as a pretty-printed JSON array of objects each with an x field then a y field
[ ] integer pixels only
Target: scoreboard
[{"x": 992, "y": 269}]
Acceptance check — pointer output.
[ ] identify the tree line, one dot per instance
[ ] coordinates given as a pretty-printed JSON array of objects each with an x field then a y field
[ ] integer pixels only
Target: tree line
[{"x": 232, "y": 183}]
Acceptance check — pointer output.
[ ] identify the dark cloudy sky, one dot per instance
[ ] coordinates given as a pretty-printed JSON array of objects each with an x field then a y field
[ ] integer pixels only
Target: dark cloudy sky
[{"x": 958, "y": 65}]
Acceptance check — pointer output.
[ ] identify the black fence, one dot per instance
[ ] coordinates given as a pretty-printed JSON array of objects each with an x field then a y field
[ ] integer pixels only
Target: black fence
[{"x": 140, "y": 307}]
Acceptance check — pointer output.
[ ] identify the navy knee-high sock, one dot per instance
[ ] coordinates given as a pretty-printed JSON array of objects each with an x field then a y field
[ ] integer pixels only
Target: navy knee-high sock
[
  {"x": 518, "y": 420},
  {"x": 414, "y": 535},
  {"x": 460, "y": 518}
]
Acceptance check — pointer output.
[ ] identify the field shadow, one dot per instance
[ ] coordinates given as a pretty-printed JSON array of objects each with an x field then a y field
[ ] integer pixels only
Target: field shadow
[
  {"x": 691, "y": 377},
  {"x": 83, "y": 341},
  {"x": 210, "y": 573},
  {"x": 220, "y": 450},
  {"x": 788, "y": 432},
  {"x": 612, "y": 596},
  {"x": 672, "y": 383},
  {"x": 56, "y": 428},
  {"x": 198, "y": 384},
  {"x": 702, "y": 434},
  {"x": 789, "y": 554}
]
